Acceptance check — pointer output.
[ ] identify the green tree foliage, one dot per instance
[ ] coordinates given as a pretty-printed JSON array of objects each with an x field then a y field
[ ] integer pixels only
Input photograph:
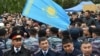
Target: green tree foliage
[
  {"x": 11, "y": 6},
  {"x": 67, "y": 3},
  {"x": 58, "y": 1},
  {"x": 14, "y": 6},
  {"x": 96, "y": 1}
]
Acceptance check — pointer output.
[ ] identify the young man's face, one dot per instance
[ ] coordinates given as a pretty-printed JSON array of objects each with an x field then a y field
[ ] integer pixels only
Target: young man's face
[
  {"x": 29, "y": 22},
  {"x": 86, "y": 49},
  {"x": 17, "y": 42},
  {"x": 8, "y": 25},
  {"x": 68, "y": 47},
  {"x": 9, "y": 18},
  {"x": 86, "y": 14},
  {"x": 74, "y": 17},
  {"x": 48, "y": 32},
  {"x": 44, "y": 45}
]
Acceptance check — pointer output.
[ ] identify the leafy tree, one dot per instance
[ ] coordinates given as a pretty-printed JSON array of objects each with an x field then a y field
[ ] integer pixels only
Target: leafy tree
[
  {"x": 11, "y": 6},
  {"x": 14, "y": 6},
  {"x": 67, "y": 3}
]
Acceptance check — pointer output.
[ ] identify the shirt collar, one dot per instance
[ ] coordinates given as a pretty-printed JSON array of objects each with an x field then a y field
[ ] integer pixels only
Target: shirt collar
[
  {"x": 84, "y": 55},
  {"x": 45, "y": 51},
  {"x": 15, "y": 49}
]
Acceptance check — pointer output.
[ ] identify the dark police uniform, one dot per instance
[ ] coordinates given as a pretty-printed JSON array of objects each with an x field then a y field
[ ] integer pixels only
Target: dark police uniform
[{"x": 17, "y": 51}]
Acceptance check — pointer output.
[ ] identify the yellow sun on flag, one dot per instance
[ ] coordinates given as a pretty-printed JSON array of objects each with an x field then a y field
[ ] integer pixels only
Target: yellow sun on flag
[{"x": 51, "y": 11}]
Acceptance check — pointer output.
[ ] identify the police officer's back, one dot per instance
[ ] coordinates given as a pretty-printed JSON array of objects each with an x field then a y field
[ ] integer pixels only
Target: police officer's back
[{"x": 55, "y": 42}]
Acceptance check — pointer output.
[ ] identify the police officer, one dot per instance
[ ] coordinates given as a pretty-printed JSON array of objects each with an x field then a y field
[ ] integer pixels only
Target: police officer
[
  {"x": 55, "y": 41},
  {"x": 32, "y": 42},
  {"x": 5, "y": 42},
  {"x": 17, "y": 47}
]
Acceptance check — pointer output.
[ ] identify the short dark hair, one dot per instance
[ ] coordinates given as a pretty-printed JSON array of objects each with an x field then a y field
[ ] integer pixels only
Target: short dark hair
[
  {"x": 85, "y": 42},
  {"x": 42, "y": 39},
  {"x": 42, "y": 33},
  {"x": 2, "y": 32},
  {"x": 74, "y": 13},
  {"x": 65, "y": 33},
  {"x": 54, "y": 30},
  {"x": 97, "y": 31},
  {"x": 88, "y": 11},
  {"x": 66, "y": 40},
  {"x": 6, "y": 23},
  {"x": 32, "y": 31}
]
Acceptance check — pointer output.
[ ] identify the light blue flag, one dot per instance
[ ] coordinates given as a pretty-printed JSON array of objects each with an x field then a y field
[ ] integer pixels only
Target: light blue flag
[{"x": 48, "y": 12}]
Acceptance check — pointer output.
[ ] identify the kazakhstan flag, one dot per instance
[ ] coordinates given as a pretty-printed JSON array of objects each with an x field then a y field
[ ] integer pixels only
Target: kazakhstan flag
[{"x": 48, "y": 12}]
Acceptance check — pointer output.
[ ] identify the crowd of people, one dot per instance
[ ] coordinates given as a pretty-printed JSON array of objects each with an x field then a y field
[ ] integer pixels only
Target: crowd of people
[{"x": 22, "y": 36}]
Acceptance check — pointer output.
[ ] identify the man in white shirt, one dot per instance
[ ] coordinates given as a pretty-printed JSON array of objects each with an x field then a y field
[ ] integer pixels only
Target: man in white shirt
[{"x": 44, "y": 48}]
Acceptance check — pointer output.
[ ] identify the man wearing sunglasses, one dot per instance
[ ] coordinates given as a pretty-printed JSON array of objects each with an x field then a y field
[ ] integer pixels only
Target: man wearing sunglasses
[{"x": 17, "y": 47}]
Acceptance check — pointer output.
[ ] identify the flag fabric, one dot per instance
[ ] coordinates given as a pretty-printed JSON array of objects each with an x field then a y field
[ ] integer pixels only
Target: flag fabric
[{"x": 48, "y": 12}]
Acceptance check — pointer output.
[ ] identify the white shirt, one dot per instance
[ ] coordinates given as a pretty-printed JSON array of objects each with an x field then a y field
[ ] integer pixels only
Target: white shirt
[
  {"x": 45, "y": 51},
  {"x": 15, "y": 49}
]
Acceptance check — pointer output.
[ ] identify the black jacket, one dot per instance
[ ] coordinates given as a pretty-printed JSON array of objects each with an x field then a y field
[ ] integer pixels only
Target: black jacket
[
  {"x": 50, "y": 53},
  {"x": 74, "y": 53},
  {"x": 1, "y": 53},
  {"x": 90, "y": 55},
  {"x": 89, "y": 21},
  {"x": 22, "y": 52}
]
